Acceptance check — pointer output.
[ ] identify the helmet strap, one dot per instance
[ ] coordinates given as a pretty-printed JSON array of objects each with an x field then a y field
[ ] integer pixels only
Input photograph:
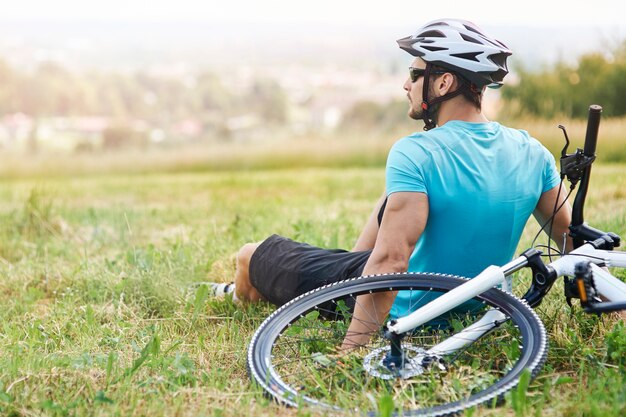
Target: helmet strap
[
  {"x": 429, "y": 123},
  {"x": 429, "y": 119}
]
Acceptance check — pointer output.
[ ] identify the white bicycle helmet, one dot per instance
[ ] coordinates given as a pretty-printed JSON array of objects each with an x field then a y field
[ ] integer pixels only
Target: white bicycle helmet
[{"x": 462, "y": 47}]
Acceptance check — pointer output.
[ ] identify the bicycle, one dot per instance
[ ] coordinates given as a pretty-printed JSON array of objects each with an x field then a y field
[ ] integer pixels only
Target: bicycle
[{"x": 441, "y": 358}]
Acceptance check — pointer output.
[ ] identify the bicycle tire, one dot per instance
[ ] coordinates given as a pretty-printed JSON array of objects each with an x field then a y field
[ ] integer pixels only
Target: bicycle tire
[{"x": 266, "y": 369}]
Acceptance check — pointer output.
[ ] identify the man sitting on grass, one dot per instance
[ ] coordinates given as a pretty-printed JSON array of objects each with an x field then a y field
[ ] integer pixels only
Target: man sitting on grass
[{"x": 457, "y": 196}]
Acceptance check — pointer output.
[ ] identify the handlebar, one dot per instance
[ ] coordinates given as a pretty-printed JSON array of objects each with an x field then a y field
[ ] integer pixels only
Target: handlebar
[
  {"x": 593, "y": 125},
  {"x": 577, "y": 227}
]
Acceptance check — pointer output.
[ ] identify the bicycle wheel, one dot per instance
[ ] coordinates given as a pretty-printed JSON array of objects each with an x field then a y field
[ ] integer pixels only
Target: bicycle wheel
[{"x": 294, "y": 355}]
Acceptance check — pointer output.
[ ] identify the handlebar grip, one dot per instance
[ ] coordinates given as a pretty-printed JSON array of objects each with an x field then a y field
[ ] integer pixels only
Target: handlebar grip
[{"x": 593, "y": 125}]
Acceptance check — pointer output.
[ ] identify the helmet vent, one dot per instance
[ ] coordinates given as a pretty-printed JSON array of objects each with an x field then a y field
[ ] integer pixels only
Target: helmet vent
[
  {"x": 499, "y": 60},
  {"x": 473, "y": 29},
  {"x": 469, "y": 39},
  {"x": 498, "y": 76},
  {"x": 437, "y": 23},
  {"x": 432, "y": 34},
  {"x": 471, "y": 56},
  {"x": 434, "y": 48}
]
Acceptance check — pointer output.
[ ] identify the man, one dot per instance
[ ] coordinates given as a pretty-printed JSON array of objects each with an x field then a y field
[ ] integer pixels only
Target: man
[{"x": 457, "y": 196}]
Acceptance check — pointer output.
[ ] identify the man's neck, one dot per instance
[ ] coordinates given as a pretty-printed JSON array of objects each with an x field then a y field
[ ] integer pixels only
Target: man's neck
[{"x": 458, "y": 108}]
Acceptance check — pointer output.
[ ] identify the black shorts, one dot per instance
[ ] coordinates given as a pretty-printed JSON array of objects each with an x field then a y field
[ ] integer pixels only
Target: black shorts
[{"x": 282, "y": 269}]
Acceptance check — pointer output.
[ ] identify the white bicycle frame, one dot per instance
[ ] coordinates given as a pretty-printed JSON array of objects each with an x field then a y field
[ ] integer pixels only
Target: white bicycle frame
[{"x": 607, "y": 285}]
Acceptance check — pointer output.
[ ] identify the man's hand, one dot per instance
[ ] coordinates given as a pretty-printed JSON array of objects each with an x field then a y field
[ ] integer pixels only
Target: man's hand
[{"x": 370, "y": 312}]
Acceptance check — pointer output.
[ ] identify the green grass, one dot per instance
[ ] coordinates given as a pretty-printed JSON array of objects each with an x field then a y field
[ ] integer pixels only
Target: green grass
[
  {"x": 364, "y": 149},
  {"x": 102, "y": 311}
]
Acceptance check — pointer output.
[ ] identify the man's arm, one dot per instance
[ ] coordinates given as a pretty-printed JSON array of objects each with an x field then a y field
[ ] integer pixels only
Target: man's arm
[
  {"x": 367, "y": 238},
  {"x": 560, "y": 225},
  {"x": 403, "y": 223}
]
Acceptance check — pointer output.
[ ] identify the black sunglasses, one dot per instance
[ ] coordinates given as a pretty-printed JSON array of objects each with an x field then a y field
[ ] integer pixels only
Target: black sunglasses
[{"x": 415, "y": 73}]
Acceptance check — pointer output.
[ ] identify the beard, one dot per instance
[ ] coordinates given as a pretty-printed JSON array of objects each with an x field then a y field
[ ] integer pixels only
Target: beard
[
  {"x": 415, "y": 108},
  {"x": 416, "y": 114}
]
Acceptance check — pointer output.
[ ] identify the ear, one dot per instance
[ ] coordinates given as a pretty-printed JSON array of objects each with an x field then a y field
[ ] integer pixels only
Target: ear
[{"x": 445, "y": 83}]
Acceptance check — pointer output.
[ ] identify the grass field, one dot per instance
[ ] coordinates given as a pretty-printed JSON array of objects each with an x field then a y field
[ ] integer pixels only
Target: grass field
[
  {"x": 366, "y": 149},
  {"x": 103, "y": 315}
]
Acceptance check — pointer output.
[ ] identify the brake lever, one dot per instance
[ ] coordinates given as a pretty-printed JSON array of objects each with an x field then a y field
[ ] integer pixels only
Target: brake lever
[{"x": 573, "y": 165}]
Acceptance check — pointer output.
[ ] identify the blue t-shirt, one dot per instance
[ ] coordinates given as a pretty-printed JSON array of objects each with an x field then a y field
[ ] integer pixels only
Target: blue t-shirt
[{"x": 483, "y": 181}]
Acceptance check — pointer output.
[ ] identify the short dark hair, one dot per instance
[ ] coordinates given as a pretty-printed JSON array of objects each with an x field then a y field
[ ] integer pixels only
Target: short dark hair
[{"x": 469, "y": 90}]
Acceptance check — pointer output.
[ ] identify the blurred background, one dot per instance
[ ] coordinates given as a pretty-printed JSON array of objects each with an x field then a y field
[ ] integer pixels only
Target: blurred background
[{"x": 243, "y": 84}]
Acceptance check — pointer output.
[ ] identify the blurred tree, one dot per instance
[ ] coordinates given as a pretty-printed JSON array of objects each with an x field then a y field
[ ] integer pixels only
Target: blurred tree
[
  {"x": 568, "y": 90},
  {"x": 123, "y": 137},
  {"x": 378, "y": 118},
  {"x": 57, "y": 84},
  {"x": 364, "y": 114},
  {"x": 8, "y": 80},
  {"x": 616, "y": 81},
  {"x": 211, "y": 95},
  {"x": 51, "y": 90},
  {"x": 267, "y": 99}
]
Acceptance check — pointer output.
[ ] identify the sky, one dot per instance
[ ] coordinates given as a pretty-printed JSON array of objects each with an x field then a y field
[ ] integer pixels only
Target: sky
[
  {"x": 538, "y": 31},
  {"x": 371, "y": 12}
]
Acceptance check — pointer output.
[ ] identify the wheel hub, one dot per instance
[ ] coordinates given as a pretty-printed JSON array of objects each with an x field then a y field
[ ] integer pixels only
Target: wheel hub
[{"x": 416, "y": 360}]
